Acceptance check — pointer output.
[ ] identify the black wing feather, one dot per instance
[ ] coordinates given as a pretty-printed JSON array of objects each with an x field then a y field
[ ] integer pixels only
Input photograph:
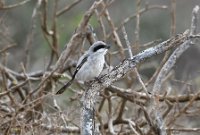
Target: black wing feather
[{"x": 62, "y": 89}]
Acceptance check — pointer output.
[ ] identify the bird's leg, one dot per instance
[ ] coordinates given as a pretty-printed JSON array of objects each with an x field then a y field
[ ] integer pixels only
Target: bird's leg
[
  {"x": 88, "y": 83},
  {"x": 98, "y": 79}
]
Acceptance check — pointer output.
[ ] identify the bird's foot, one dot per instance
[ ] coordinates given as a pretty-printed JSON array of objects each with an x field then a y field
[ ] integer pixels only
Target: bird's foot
[{"x": 98, "y": 79}]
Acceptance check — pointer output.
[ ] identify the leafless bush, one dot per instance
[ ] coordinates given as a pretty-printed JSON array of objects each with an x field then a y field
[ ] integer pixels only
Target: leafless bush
[{"x": 125, "y": 101}]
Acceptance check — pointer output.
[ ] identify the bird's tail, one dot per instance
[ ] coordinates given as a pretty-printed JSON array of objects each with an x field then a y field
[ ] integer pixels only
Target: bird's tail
[{"x": 62, "y": 89}]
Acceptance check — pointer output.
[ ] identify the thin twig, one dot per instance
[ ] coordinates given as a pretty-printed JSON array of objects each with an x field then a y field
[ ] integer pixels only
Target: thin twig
[
  {"x": 67, "y": 8},
  {"x": 30, "y": 36},
  {"x": 15, "y": 5},
  {"x": 131, "y": 56}
]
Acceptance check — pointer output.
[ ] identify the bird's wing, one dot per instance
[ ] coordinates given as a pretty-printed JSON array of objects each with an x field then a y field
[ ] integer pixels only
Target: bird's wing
[
  {"x": 80, "y": 63},
  {"x": 85, "y": 55}
]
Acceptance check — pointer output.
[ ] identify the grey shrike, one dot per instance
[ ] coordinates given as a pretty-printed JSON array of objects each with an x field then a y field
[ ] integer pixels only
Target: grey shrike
[{"x": 89, "y": 65}]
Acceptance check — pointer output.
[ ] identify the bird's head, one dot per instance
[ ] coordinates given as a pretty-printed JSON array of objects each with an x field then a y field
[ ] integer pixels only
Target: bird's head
[{"x": 99, "y": 47}]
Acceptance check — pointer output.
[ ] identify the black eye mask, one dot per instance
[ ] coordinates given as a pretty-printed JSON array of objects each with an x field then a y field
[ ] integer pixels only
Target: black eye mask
[{"x": 96, "y": 48}]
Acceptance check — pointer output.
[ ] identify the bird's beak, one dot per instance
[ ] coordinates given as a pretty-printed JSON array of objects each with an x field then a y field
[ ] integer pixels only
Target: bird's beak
[{"x": 108, "y": 46}]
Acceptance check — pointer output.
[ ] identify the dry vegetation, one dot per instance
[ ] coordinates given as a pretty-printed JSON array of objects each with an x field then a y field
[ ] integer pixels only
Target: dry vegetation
[{"x": 125, "y": 101}]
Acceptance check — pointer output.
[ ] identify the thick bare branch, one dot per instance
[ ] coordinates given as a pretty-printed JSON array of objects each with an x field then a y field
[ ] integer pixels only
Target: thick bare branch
[{"x": 89, "y": 97}]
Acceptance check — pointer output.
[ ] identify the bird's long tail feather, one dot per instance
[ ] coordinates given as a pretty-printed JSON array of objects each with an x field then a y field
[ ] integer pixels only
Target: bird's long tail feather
[{"x": 62, "y": 89}]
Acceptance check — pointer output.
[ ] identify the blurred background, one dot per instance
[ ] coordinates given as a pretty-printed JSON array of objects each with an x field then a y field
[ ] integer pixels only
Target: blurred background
[
  {"x": 154, "y": 25},
  {"x": 22, "y": 33}
]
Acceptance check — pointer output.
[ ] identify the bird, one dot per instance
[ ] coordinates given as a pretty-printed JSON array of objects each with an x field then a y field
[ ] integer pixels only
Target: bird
[{"x": 89, "y": 65}]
